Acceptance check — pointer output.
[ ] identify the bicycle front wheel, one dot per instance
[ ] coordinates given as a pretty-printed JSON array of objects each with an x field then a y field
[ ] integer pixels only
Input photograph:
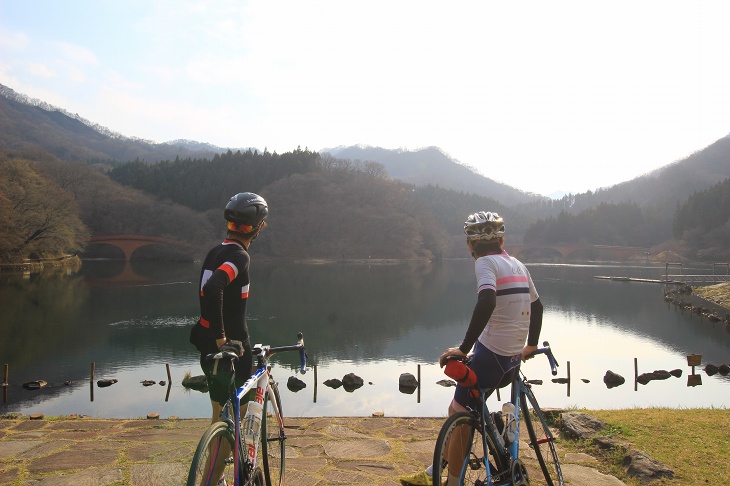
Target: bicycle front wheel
[
  {"x": 462, "y": 444},
  {"x": 542, "y": 441},
  {"x": 272, "y": 431},
  {"x": 213, "y": 458}
]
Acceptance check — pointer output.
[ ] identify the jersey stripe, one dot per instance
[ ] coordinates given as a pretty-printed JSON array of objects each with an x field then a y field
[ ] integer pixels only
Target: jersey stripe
[
  {"x": 230, "y": 269},
  {"x": 244, "y": 291},
  {"x": 514, "y": 290}
]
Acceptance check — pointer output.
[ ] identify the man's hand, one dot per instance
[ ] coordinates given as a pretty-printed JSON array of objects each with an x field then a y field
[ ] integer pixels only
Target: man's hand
[
  {"x": 450, "y": 352},
  {"x": 526, "y": 351},
  {"x": 233, "y": 347}
]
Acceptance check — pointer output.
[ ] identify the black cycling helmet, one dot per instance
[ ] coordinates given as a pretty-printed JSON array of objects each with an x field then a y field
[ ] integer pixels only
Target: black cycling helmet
[
  {"x": 484, "y": 226},
  {"x": 245, "y": 212}
]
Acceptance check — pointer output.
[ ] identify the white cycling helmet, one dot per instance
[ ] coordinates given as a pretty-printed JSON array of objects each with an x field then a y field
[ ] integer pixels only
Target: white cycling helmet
[{"x": 484, "y": 226}]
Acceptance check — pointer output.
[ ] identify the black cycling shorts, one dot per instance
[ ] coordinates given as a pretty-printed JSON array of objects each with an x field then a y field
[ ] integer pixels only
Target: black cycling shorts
[
  {"x": 218, "y": 385},
  {"x": 493, "y": 371}
]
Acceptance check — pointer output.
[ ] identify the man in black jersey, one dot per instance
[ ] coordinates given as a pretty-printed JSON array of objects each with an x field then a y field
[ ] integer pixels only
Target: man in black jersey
[{"x": 224, "y": 287}]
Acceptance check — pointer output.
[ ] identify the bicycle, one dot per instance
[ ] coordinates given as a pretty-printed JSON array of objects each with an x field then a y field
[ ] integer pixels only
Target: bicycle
[
  {"x": 481, "y": 438},
  {"x": 251, "y": 453}
]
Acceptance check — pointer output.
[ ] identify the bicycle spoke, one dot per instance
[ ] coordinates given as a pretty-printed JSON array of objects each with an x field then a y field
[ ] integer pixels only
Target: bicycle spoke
[
  {"x": 543, "y": 455},
  {"x": 461, "y": 442},
  {"x": 213, "y": 458},
  {"x": 273, "y": 449}
]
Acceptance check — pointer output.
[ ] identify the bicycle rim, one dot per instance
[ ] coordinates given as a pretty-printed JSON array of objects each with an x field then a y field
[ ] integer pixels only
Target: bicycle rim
[
  {"x": 461, "y": 439},
  {"x": 542, "y": 444},
  {"x": 273, "y": 451},
  {"x": 213, "y": 457}
]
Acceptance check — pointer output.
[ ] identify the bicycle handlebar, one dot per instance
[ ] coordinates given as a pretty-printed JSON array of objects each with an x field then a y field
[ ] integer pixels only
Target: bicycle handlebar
[
  {"x": 299, "y": 346},
  {"x": 267, "y": 351},
  {"x": 544, "y": 350},
  {"x": 549, "y": 353}
]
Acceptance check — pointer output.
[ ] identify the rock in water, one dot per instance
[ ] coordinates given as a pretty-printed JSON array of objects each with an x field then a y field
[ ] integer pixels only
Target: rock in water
[
  {"x": 407, "y": 383},
  {"x": 613, "y": 380},
  {"x": 333, "y": 383},
  {"x": 295, "y": 384},
  {"x": 351, "y": 382}
]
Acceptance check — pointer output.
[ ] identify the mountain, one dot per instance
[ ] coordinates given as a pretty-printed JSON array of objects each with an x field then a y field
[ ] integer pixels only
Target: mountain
[
  {"x": 676, "y": 181},
  {"x": 27, "y": 123},
  {"x": 659, "y": 191},
  {"x": 432, "y": 166}
]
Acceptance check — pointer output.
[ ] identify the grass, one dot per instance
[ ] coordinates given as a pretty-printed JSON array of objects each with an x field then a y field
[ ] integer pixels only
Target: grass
[{"x": 694, "y": 443}]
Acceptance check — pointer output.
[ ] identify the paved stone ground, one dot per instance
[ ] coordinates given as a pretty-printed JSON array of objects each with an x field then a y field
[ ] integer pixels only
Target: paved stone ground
[{"x": 320, "y": 451}]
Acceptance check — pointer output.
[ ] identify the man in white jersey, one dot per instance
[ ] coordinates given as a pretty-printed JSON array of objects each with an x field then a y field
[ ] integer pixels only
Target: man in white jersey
[{"x": 508, "y": 312}]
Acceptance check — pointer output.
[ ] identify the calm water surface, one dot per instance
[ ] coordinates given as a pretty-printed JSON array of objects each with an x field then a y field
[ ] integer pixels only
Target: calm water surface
[{"x": 373, "y": 320}]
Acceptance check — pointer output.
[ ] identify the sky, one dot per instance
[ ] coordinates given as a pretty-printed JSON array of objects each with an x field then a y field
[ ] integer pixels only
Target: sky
[{"x": 546, "y": 96}]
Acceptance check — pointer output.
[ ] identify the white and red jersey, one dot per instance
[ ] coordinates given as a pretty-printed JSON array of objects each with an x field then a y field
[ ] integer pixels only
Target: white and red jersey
[{"x": 506, "y": 331}]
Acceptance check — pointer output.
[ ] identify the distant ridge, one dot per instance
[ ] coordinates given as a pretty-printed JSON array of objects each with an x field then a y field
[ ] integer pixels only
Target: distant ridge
[
  {"x": 431, "y": 165},
  {"x": 13, "y": 95},
  {"x": 27, "y": 122}
]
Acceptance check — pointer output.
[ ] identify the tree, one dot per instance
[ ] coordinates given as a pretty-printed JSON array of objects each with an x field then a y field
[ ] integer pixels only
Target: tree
[{"x": 40, "y": 219}]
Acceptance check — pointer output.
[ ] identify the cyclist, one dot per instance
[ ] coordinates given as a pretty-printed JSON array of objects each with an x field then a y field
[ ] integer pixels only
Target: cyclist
[
  {"x": 224, "y": 287},
  {"x": 507, "y": 312}
]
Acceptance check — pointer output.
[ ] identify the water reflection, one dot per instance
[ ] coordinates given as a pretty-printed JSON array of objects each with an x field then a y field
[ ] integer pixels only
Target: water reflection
[{"x": 376, "y": 321}]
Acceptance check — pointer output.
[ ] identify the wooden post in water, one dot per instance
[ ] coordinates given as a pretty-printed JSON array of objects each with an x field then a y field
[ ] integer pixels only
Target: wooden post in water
[
  {"x": 169, "y": 381},
  {"x": 568, "y": 378},
  {"x": 315, "y": 384},
  {"x": 91, "y": 383},
  {"x": 419, "y": 383},
  {"x": 5, "y": 383},
  {"x": 636, "y": 374}
]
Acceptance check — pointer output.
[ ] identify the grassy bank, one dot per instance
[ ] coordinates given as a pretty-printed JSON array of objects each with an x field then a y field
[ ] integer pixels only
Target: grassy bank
[
  {"x": 694, "y": 443},
  {"x": 719, "y": 294}
]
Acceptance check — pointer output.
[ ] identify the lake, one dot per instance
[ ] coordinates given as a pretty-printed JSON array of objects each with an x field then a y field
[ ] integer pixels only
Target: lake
[{"x": 377, "y": 321}]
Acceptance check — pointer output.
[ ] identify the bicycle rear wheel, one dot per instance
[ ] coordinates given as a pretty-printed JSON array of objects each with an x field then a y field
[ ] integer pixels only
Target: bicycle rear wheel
[
  {"x": 213, "y": 458},
  {"x": 542, "y": 440},
  {"x": 272, "y": 431},
  {"x": 461, "y": 439}
]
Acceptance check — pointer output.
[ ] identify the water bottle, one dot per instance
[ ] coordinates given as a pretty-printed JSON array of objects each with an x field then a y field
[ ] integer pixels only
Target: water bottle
[
  {"x": 252, "y": 423},
  {"x": 508, "y": 415}
]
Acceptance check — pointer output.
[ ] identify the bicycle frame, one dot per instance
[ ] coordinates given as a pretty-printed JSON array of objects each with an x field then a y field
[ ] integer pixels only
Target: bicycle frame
[
  {"x": 519, "y": 388},
  {"x": 245, "y": 455},
  {"x": 260, "y": 379}
]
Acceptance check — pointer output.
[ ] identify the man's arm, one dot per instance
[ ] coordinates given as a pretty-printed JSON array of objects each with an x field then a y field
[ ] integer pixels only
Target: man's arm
[
  {"x": 213, "y": 294},
  {"x": 486, "y": 303},
  {"x": 533, "y": 336}
]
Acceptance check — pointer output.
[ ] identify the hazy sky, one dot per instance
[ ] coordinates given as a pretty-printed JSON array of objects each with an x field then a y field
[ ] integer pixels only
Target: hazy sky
[{"x": 544, "y": 96}]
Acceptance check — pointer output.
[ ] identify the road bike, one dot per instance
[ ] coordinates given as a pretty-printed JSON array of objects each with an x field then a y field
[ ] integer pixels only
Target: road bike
[
  {"x": 252, "y": 452},
  {"x": 490, "y": 454}
]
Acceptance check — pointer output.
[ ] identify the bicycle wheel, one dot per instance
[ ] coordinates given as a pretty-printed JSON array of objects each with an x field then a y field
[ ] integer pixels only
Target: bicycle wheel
[
  {"x": 542, "y": 441},
  {"x": 272, "y": 431},
  {"x": 461, "y": 439},
  {"x": 213, "y": 458}
]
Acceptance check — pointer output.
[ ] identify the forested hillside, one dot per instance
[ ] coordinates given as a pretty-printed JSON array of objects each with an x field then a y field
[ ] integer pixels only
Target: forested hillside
[
  {"x": 432, "y": 166},
  {"x": 321, "y": 206},
  {"x": 63, "y": 178},
  {"x": 703, "y": 223},
  {"x": 28, "y": 123},
  {"x": 49, "y": 207}
]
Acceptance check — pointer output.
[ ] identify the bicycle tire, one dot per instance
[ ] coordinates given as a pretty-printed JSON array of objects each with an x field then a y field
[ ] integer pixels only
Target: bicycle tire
[
  {"x": 474, "y": 470},
  {"x": 542, "y": 440},
  {"x": 208, "y": 449},
  {"x": 274, "y": 447}
]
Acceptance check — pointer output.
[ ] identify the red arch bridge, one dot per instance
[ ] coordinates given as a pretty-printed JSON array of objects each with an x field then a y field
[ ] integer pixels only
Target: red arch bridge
[
  {"x": 619, "y": 253},
  {"x": 130, "y": 243}
]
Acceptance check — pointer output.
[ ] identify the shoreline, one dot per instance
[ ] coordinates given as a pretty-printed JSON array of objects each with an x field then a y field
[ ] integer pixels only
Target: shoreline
[{"x": 718, "y": 294}]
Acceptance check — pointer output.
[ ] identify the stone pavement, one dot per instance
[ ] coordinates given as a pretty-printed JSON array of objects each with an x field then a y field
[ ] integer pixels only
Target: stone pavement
[{"x": 320, "y": 451}]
